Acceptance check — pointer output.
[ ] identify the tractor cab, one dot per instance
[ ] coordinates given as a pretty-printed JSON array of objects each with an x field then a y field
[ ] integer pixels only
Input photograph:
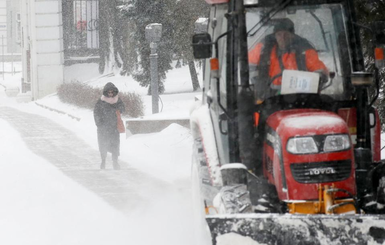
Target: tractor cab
[{"x": 313, "y": 31}]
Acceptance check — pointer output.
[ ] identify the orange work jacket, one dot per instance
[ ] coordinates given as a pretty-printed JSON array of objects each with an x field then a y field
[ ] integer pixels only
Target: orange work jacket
[{"x": 313, "y": 63}]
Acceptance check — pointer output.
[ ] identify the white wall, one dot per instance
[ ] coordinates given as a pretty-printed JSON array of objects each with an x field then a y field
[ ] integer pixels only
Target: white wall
[
  {"x": 25, "y": 45},
  {"x": 9, "y": 10},
  {"x": 13, "y": 27},
  {"x": 43, "y": 39},
  {"x": 3, "y": 25}
]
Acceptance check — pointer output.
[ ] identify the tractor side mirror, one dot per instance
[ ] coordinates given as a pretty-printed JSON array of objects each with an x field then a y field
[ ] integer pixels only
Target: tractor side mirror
[{"x": 202, "y": 46}]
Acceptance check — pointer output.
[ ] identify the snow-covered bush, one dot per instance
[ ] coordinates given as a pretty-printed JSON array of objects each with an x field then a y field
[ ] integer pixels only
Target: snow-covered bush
[{"x": 85, "y": 96}]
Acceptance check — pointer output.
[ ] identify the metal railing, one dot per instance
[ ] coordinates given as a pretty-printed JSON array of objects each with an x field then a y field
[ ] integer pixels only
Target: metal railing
[{"x": 81, "y": 26}]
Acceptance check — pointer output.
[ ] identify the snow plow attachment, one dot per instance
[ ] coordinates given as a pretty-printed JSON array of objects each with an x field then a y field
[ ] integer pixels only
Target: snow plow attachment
[{"x": 296, "y": 229}]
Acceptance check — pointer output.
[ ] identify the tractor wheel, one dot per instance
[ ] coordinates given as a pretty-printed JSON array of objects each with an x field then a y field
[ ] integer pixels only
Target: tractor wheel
[{"x": 234, "y": 199}]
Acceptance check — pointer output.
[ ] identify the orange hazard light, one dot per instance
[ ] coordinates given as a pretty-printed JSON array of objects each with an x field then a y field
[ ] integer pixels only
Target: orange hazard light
[
  {"x": 379, "y": 57},
  {"x": 256, "y": 119},
  {"x": 379, "y": 53},
  {"x": 214, "y": 64}
]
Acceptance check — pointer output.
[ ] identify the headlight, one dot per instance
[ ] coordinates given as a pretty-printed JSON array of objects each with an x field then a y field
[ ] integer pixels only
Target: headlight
[
  {"x": 336, "y": 143},
  {"x": 303, "y": 145}
]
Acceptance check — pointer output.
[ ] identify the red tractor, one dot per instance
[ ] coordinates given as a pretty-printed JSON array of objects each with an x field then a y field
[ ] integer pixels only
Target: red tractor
[{"x": 287, "y": 153}]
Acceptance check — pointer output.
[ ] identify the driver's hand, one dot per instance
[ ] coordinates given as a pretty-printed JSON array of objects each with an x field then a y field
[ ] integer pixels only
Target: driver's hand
[{"x": 323, "y": 76}]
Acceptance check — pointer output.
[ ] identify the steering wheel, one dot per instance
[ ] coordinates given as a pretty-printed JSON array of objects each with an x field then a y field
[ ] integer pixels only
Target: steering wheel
[{"x": 325, "y": 81}]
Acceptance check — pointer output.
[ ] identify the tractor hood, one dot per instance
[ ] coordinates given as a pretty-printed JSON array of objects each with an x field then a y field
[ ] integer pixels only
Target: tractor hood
[
  {"x": 306, "y": 122},
  {"x": 297, "y": 178}
]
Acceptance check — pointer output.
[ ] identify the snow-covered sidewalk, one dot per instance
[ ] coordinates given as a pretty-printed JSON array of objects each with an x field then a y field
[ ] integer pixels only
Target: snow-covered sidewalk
[
  {"x": 40, "y": 205},
  {"x": 44, "y": 205}
]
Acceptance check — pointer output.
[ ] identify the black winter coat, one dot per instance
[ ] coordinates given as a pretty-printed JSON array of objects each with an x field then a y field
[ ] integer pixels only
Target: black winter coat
[{"x": 106, "y": 122}]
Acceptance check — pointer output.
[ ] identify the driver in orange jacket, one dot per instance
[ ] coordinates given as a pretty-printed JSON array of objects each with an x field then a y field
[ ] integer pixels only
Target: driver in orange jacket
[{"x": 278, "y": 51}]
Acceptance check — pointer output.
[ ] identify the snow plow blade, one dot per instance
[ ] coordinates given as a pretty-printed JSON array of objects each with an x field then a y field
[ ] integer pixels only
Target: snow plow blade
[{"x": 297, "y": 229}]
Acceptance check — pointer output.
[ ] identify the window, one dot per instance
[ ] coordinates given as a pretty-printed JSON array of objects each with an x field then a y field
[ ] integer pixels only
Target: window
[{"x": 322, "y": 27}]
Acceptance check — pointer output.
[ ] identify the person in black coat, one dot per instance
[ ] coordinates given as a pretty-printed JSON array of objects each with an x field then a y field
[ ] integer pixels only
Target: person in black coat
[{"x": 106, "y": 122}]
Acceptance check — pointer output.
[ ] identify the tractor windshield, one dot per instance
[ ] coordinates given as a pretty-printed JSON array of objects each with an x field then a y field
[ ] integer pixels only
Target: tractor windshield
[{"x": 307, "y": 39}]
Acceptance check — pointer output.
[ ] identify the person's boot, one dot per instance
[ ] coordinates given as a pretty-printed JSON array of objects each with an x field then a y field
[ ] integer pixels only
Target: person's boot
[
  {"x": 116, "y": 165},
  {"x": 103, "y": 165}
]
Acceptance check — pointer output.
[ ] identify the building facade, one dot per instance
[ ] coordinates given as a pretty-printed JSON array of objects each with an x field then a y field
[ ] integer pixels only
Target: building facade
[
  {"x": 10, "y": 27},
  {"x": 42, "y": 46},
  {"x": 3, "y": 25},
  {"x": 55, "y": 34},
  {"x": 13, "y": 36}
]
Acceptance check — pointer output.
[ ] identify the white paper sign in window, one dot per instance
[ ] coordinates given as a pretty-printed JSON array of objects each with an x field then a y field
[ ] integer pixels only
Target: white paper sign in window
[{"x": 299, "y": 82}]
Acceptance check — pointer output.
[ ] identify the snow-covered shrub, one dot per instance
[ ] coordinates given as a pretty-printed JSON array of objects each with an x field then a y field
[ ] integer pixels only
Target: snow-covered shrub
[{"x": 85, "y": 96}]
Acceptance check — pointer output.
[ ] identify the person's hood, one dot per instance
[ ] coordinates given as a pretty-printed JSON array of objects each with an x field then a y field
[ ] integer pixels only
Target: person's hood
[
  {"x": 108, "y": 87},
  {"x": 284, "y": 24}
]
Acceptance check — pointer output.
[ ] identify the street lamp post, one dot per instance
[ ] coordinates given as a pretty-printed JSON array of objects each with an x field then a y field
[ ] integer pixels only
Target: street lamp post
[{"x": 153, "y": 35}]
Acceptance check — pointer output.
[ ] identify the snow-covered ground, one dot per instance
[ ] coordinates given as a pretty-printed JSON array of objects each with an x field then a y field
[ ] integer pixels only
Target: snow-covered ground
[{"x": 40, "y": 205}]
